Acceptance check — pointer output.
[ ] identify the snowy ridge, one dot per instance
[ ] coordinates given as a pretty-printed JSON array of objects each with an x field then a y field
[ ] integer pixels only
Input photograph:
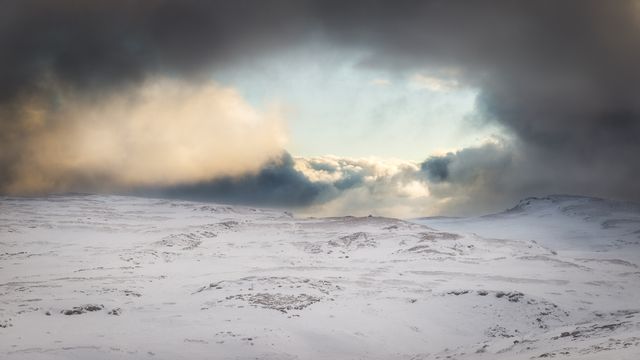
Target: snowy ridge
[
  {"x": 113, "y": 277},
  {"x": 571, "y": 205},
  {"x": 561, "y": 222}
]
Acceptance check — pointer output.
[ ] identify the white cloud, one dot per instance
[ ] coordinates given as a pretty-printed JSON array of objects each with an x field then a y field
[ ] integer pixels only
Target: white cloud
[
  {"x": 380, "y": 82},
  {"x": 387, "y": 187},
  {"x": 434, "y": 83}
]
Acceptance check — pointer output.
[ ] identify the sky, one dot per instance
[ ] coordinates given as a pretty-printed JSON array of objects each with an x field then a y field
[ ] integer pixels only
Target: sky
[
  {"x": 396, "y": 108},
  {"x": 325, "y": 89}
]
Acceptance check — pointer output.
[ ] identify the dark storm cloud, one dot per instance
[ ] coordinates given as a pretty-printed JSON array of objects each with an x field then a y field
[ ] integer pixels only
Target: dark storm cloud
[
  {"x": 329, "y": 185},
  {"x": 476, "y": 179},
  {"x": 437, "y": 167},
  {"x": 561, "y": 76},
  {"x": 100, "y": 44},
  {"x": 66, "y": 54},
  {"x": 468, "y": 165},
  {"x": 278, "y": 183}
]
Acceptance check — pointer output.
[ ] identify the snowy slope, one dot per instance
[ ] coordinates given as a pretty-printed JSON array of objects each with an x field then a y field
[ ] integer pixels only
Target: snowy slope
[
  {"x": 109, "y": 277},
  {"x": 560, "y": 222}
]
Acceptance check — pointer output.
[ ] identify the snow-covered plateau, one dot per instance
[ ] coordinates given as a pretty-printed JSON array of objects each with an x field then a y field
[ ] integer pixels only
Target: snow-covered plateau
[{"x": 114, "y": 277}]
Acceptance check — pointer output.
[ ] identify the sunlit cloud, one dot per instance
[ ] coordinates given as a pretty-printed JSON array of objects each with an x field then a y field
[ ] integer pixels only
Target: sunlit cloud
[
  {"x": 380, "y": 82},
  {"x": 389, "y": 187},
  {"x": 434, "y": 83},
  {"x": 160, "y": 133}
]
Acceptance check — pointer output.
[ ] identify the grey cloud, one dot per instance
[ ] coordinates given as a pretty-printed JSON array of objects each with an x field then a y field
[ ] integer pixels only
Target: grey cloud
[
  {"x": 561, "y": 76},
  {"x": 468, "y": 181},
  {"x": 477, "y": 178},
  {"x": 437, "y": 167},
  {"x": 99, "y": 45},
  {"x": 327, "y": 186},
  {"x": 89, "y": 50},
  {"x": 278, "y": 183},
  {"x": 467, "y": 165},
  {"x": 479, "y": 164}
]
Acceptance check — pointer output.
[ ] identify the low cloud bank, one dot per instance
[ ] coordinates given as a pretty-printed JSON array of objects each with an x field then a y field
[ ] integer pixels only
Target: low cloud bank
[{"x": 330, "y": 185}]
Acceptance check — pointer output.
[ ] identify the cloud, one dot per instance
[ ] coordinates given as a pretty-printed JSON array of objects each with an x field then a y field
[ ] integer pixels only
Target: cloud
[
  {"x": 560, "y": 77},
  {"x": 434, "y": 83},
  {"x": 380, "y": 82},
  {"x": 331, "y": 185},
  {"x": 99, "y": 46},
  {"x": 326, "y": 185},
  {"x": 162, "y": 133},
  {"x": 437, "y": 167},
  {"x": 470, "y": 165},
  {"x": 276, "y": 183},
  {"x": 470, "y": 180},
  {"x": 101, "y": 96}
]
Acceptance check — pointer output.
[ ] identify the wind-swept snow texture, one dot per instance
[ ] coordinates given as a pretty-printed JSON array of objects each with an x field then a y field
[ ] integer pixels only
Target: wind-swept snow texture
[{"x": 108, "y": 277}]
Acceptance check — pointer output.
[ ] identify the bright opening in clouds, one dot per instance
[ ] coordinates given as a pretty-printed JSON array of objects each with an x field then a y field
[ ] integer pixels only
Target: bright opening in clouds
[{"x": 339, "y": 105}]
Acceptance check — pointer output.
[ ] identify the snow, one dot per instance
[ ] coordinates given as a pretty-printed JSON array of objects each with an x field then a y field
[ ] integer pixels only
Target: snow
[{"x": 113, "y": 277}]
